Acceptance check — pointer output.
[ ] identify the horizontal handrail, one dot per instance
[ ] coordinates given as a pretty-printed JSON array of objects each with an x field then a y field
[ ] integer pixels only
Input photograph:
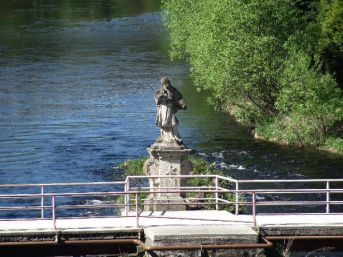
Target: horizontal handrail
[
  {"x": 237, "y": 180},
  {"x": 216, "y": 197},
  {"x": 64, "y": 184},
  {"x": 170, "y": 176},
  {"x": 288, "y": 180},
  {"x": 116, "y": 193}
]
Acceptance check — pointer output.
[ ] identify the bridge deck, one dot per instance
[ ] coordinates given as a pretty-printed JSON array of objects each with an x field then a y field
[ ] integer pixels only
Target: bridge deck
[
  {"x": 169, "y": 218},
  {"x": 58, "y": 235}
]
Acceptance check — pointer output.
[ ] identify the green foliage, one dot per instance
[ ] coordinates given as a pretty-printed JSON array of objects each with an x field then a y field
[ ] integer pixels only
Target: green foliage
[
  {"x": 309, "y": 102},
  {"x": 331, "y": 22},
  {"x": 334, "y": 144},
  {"x": 202, "y": 167},
  {"x": 133, "y": 167},
  {"x": 331, "y": 36},
  {"x": 262, "y": 59},
  {"x": 235, "y": 48}
]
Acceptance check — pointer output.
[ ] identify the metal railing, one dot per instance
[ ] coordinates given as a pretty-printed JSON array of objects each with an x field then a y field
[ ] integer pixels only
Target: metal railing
[{"x": 128, "y": 196}]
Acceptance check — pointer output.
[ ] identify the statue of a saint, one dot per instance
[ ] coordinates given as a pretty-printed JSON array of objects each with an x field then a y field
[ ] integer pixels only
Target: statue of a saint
[{"x": 168, "y": 100}]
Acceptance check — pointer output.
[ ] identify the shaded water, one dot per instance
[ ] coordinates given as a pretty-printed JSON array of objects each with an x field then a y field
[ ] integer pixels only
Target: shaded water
[{"x": 77, "y": 79}]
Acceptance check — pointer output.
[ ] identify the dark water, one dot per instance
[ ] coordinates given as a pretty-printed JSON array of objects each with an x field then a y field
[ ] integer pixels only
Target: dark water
[{"x": 77, "y": 79}]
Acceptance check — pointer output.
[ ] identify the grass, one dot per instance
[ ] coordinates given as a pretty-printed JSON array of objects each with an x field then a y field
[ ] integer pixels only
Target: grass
[
  {"x": 280, "y": 133},
  {"x": 334, "y": 144},
  {"x": 133, "y": 167}
]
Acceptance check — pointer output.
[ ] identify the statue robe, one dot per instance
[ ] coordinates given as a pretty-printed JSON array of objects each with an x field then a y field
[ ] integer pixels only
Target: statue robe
[{"x": 168, "y": 100}]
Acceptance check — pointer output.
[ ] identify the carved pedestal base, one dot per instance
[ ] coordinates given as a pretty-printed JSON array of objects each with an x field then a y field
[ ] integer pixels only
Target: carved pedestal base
[
  {"x": 165, "y": 204},
  {"x": 167, "y": 159}
]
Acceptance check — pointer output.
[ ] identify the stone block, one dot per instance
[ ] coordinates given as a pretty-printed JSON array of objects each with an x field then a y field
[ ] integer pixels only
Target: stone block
[{"x": 202, "y": 235}]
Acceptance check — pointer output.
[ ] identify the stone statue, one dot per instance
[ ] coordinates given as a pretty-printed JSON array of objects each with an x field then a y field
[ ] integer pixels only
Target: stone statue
[
  {"x": 168, "y": 155},
  {"x": 168, "y": 100}
]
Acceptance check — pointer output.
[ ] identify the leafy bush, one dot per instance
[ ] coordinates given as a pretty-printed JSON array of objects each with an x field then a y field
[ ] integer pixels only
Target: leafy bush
[
  {"x": 274, "y": 63},
  {"x": 309, "y": 102},
  {"x": 133, "y": 167},
  {"x": 236, "y": 48},
  {"x": 334, "y": 144}
]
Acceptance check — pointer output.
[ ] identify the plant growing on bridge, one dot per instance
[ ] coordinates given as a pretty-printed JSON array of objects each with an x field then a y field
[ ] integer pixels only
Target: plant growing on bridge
[
  {"x": 133, "y": 167},
  {"x": 203, "y": 167}
]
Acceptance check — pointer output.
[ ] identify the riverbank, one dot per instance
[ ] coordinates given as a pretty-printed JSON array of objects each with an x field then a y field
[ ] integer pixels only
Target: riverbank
[
  {"x": 277, "y": 136},
  {"x": 330, "y": 144},
  {"x": 265, "y": 133},
  {"x": 273, "y": 132}
]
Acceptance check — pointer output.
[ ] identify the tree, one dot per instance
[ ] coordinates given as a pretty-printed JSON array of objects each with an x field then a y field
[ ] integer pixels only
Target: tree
[
  {"x": 235, "y": 48},
  {"x": 261, "y": 60},
  {"x": 331, "y": 37}
]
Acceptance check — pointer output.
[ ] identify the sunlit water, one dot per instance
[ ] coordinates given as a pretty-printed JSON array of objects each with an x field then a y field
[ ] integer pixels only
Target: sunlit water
[{"x": 76, "y": 98}]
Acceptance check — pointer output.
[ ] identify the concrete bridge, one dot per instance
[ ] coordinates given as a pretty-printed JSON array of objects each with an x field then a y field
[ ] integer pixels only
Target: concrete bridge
[{"x": 109, "y": 217}]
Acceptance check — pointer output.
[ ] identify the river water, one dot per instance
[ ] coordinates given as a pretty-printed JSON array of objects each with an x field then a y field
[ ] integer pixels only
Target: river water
[
  {"x": 76, "y": 98},
  {"x": 76, "y": 86}
]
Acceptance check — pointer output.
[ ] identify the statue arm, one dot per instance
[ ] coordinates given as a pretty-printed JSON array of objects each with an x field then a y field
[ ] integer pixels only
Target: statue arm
[{"x": 179, "y": 102}]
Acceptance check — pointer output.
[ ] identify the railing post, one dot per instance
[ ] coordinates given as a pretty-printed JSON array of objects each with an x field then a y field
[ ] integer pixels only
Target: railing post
[
  {"x": 254, "y": 207},
  {"x": 237, "y": 198},
  {"x": 327, "y": 197},
  {"x": 216, "y": 184},
  {"x": 53, "y": 203},
  {"x": 127, "y": 197},
  {"x": 42, "y": 202},
  {"x": 137, "y": 215}
]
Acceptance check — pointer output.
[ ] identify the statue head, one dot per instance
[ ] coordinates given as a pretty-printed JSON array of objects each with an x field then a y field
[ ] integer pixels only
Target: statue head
[{"x": 165, "y": 81}]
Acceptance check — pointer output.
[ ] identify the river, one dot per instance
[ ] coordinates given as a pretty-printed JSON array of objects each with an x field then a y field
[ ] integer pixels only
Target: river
[
  {"x": 76, "y": 98},
  {"x": 77, "y": 80}
]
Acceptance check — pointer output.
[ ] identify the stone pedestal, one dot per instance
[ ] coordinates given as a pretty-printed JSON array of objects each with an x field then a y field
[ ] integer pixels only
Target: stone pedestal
[{"x": 166, "y": 159}]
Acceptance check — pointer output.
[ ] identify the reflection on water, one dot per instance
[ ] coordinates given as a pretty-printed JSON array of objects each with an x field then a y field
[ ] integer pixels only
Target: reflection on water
[{"x": 77, "y": 79}]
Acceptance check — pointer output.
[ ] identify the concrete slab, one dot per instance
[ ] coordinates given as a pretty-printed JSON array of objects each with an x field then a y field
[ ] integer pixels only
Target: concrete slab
[
  {"x": 175, "y": 227},
  {"x": 9, "y": 226},
  {"x": 297, "y": 219},
  {"x": 185, "y": 235},
  {"x": 199, "y": 230},
  {"x": 159, "y": 218},
  {"x": 204, "y": 232},
  {"x": 152, "y": 219},
  {"x": 96, "y": 223}
]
